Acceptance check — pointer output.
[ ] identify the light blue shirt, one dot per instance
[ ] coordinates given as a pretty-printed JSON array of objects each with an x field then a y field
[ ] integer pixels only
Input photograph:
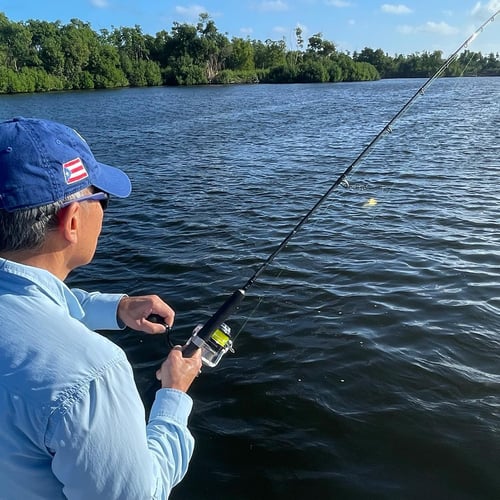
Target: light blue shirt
[{"x": 72, "y": 424}]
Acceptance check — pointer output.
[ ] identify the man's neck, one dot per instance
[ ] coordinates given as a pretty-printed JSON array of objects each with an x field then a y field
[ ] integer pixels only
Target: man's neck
[{"x": 49, "y": 261}]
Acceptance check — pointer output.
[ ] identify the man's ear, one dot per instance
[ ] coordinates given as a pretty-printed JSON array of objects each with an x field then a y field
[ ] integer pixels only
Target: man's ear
[{"x": 69, "y": 222}]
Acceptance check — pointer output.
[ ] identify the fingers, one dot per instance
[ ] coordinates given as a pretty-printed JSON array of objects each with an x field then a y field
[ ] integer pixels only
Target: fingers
[
  {"x": 159, "y": 371},
  {"x": 156, "y": 324},
  {"x": 146, "y": 313},
  {"x": 177, "y": 372},
  {"x": 159, "y": 315}
]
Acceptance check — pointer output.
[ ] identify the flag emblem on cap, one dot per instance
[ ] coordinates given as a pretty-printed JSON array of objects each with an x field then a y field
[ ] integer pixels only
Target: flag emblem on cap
[{"x": 74, "y": 171}]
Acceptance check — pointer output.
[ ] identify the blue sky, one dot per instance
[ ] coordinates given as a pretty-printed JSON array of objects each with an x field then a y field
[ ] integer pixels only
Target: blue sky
[{"x": 396, "y": 28}]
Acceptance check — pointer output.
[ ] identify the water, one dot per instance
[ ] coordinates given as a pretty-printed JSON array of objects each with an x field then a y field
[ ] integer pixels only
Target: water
[{"x": 367, "y": 359}]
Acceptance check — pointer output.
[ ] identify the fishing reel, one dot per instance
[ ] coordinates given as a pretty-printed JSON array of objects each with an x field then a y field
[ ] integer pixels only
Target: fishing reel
[
  {"x": 213, "y": 337},
  {"x": 214, "y": 346}
]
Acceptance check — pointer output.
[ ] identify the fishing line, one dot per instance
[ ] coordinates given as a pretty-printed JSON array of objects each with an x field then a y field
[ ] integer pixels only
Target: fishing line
[{"x": 214, "y": 337}]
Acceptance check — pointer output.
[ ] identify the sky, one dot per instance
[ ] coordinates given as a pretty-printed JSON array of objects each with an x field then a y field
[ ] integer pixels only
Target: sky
[{"x": 412, "y": 26}]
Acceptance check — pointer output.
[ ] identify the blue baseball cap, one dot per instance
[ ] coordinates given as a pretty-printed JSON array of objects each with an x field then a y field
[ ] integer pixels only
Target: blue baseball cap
[{"x": 42, "y": 162}]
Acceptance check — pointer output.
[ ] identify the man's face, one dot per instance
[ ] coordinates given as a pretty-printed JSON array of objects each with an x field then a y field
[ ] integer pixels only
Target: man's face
[
  {"x": 94, "y": 220},
  {"x": 90, "y": 219}
]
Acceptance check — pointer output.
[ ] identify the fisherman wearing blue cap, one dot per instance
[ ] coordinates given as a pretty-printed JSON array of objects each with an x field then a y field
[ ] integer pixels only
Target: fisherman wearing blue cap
[{"x": 72, "y": 424}]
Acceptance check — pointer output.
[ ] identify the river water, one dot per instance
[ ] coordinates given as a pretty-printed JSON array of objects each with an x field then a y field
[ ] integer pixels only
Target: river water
[{"x": 367, "y": 359}]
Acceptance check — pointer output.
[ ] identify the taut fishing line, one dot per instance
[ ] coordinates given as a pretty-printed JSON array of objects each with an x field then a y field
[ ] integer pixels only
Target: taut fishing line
[{"x": 214, "y": 337}]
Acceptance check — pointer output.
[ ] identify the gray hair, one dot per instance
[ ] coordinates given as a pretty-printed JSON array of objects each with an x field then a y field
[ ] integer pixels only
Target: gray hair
[{"x": 27, "y": 229}]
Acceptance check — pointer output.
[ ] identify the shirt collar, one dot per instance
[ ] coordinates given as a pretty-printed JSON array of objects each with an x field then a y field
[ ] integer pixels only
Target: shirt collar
[{"x": 49, "y": 284}]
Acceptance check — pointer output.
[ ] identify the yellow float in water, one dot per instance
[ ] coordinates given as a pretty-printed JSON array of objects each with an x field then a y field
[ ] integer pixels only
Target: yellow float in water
[{"x": 370, "y": 203}]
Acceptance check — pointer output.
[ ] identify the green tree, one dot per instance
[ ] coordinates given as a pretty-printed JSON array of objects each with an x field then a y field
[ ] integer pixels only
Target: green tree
[
  {"x": 491, "y": 65},
  {"x": 363, "y": 71},
  {"x": 78, "y": 41},
  {"x": 184, "y": 42},
  {"x": 38, "y": 55},
  {"x": 376, "y": 58},
  {"x": 335, "y": 73},
  {"x": 158, "y": 47},
  {"x": 471, "y": 63},
  {"x": 269, "y": 54},
  {"x": 46, "y": 41},
  {"x": 15, "y": 40},
  {"x": 294, "y": 56},
  {"x": 130, "y": 42},
  {"x": 346, "y": 66},
  {"x": 316, "y": 45},
  {"x": 283, "y": 73},
  {"x": 185, "y": 61},
  {"x": 241, "y": 55},
  {"x": 133, "y": 49},
  {"x": 214, "y": 46},
  {"x": 312, "y": 71},
  {"x": 187, "y": 72},
  {"x": 104, "y": 65}
]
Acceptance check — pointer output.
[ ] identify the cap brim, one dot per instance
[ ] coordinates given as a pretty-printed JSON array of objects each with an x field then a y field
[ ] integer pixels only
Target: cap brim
[{"x": 112, "y": 180}]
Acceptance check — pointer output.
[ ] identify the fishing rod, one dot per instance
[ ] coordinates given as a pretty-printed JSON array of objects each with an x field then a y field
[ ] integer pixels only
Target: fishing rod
[{"x": 214, "y": 337}]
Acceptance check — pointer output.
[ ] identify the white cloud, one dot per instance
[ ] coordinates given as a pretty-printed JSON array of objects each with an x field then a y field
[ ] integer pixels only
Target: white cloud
[
  {"x": 191, "y": 12},
  {"x": 338, "y": 3},
  {"x": 477, "y": 8},
  {"x": 484, "y": 8},
  {"x": 391, "y": 8},
  {"x": 101, "y": 4},
  {"x": 272, "y": 6},
  {"x": 441, "y": 28},
  {"x": 246, "y": 31},
  {"x": 280, "y": 30},
  {"x": 493, "y": 5}
]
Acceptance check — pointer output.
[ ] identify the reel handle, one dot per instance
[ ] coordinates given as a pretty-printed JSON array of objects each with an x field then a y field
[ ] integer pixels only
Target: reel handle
[{"x": 156, "y": 318}]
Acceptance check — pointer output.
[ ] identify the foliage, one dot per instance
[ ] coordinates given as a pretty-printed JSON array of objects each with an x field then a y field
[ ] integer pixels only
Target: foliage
[
  {"x": 228, "y": 76},
  {"x": 424, "y": 65},
  {"x": 37, "y": 56}
]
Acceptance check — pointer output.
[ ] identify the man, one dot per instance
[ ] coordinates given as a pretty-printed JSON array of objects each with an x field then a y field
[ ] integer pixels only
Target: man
[{"x": 72, "y": 424}]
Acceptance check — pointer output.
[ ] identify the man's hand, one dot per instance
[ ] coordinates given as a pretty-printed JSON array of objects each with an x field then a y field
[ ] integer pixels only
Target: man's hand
[
  {"x": 133, "y": 311},
  {"x": 177, "y": 372}
]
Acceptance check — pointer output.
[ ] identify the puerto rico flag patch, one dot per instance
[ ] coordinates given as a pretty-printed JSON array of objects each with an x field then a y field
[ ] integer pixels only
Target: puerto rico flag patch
[{"x": 74, "y": 171}]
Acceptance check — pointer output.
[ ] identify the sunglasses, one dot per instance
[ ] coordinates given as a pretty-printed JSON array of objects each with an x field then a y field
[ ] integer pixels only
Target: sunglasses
[{"x": 101, "y": 197}]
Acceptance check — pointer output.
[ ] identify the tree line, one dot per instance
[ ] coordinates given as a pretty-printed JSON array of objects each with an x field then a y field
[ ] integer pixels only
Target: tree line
[{"x": 37, "y": 56}]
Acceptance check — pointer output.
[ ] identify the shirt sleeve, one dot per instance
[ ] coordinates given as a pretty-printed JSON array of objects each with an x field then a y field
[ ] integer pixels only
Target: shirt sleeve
[
  {"x": 103, "y": 449},
  {"x": 100, "y": 309}
]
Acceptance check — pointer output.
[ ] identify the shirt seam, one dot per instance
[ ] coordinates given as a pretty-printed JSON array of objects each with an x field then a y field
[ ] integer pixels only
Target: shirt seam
[{"x": 70, "y": 396}]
